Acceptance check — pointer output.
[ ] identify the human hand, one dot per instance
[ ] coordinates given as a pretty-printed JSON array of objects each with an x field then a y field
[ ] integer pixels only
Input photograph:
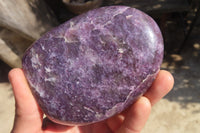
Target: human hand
[{"x": 29, "y": 117}]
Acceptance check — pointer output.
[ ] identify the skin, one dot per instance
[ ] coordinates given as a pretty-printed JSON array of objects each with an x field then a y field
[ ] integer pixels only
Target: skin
[{"x": 29, "y": 117}]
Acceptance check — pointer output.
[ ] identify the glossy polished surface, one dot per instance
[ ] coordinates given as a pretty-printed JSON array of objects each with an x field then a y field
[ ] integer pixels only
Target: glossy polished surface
[{"x": 95, "y": 65}]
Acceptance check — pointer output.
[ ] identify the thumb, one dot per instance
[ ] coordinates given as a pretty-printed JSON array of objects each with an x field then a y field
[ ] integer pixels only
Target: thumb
[
  {"x": 136, "y": 117},
  {"x": 28, "y": 116}
]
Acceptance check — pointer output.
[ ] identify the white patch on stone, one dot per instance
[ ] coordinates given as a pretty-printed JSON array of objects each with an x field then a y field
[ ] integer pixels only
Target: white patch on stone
[
  {"x": 77, "y": 82},
  {"x": 86, "y": 108},
  {"x": 42, "y": 93},
  {"x": 68, "y": 40},
  {"x": 100, "y": 26},
  {"x": 99, "y": 116},
  {"x": 65, "y": 39},
  {"x": 71, "y": 24},
  {"x": 53, "y": 79},
  {"x": 47, "y": 69},
  {"x": 43, "y": 48},
  {"x": 71, "y": 104},
  {"x": 93, "y": 59},
  {"x": 129, "y": 16},
  {"x": 120, "y": 50},
  {"x": 35, "y": 60},
  {"x": 52, "y": 55}
]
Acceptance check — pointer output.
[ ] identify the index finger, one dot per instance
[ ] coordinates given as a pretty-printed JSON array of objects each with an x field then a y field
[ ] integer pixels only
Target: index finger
[{"x": 161, "y": 86}]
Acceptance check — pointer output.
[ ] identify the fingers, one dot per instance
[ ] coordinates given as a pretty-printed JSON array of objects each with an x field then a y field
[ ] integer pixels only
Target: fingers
[
  {"x": 28, "y": 115},
  {"x": 50, "y": 126},
  {"x": 139, "y": 112},
  {"x": 160, "y": 87},
  {"x": 115, "y": 122},
  {"x": 136, "y": 116}
]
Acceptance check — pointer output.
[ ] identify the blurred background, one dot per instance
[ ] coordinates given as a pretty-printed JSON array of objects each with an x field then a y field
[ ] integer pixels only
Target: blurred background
[{"x": 22, "y": 22}]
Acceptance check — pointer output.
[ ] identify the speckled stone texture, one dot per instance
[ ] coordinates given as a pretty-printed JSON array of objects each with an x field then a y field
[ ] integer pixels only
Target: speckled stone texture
[{"x": 95, "y": 65}]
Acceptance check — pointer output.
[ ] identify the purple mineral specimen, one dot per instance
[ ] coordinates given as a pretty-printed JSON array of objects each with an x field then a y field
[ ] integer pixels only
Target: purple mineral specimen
[{"x": 95, "y": 65}]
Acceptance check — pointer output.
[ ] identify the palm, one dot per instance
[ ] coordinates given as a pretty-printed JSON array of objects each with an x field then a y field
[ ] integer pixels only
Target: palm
[
  {"x": 94, "y": 128},
  {"x": 29, "y": 117},
  {"x": 107, "y": 126}
]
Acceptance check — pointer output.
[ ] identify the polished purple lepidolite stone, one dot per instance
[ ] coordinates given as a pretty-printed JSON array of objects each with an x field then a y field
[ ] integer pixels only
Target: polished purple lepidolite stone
[{"x": 94, "y": 65}]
